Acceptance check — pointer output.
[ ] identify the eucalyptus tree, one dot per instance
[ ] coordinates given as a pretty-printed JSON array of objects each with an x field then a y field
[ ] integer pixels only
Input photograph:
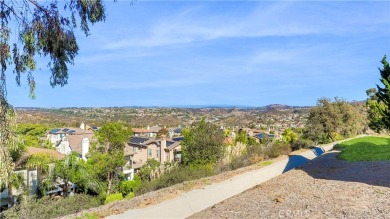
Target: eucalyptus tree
[
  {"x": 107, "y": 157},
  {"x": 42, "y": 28}
]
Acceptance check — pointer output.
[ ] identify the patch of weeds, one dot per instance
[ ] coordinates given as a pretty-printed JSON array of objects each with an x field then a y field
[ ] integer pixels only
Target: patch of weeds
[{"x": 265, "y": 163}]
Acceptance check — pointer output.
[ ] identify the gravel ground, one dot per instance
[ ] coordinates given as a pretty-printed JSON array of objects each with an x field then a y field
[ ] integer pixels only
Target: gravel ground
[{"x": 323, "y": 188}]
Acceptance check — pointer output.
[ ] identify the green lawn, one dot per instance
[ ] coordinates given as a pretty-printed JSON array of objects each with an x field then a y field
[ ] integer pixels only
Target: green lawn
[{"x": 365, "y": 149}]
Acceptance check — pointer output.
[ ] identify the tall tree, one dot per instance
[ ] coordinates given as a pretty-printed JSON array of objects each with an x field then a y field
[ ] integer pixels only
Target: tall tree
[
  {"x": 332, "y": 120},
  {"x": 162, "y": 132},
  {"x": 108, "y": 155},
  {"x": 375, "y": 107},
  {"x": 43, "y": 28},
  {"x": 203, "y": 143},
  {"x": 383, "y": 101}
]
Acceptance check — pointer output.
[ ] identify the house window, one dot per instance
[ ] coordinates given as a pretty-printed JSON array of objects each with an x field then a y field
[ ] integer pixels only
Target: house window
[
  {"x": 157, "y": 153},
  {"x": 150, "y": 152}
]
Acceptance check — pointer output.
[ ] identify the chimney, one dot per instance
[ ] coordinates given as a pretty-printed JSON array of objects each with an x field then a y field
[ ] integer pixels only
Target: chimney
[
  {"x": 82, "y": 126},
  {"x": 163, "y": 145},
  {"x": 84, "y": 148}
]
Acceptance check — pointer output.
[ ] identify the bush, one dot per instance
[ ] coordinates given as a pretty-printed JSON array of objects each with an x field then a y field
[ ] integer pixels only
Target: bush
[
  {"x": 175, "y": 176},
  {"x": 301, "y": 143},
  {"x": 129, "y": 186},
  {"x": 255, "y": 153},
  {"x": 130, "y": 195},
  {"x": 113, "y": 197},
  {"x": 47, "y": 207},
  {"x": 277, "y": 149},
  {"x": 89, "y": 216},
  {"x": 239, "y": 162}
]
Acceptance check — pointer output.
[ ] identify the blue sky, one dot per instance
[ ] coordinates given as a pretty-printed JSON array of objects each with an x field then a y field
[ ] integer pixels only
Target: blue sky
[{"x": 164, "y": 53}]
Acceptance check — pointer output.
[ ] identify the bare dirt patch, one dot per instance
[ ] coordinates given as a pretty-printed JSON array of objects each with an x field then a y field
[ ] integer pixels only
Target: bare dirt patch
[{"x": 323, "y": 188}]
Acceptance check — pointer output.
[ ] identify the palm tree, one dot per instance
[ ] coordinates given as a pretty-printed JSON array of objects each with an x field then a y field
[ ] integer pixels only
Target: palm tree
[
  {"x": 289, "y": 136},
  {"x": 73, "y": 169},
  {"x": 40, "y": 162}
]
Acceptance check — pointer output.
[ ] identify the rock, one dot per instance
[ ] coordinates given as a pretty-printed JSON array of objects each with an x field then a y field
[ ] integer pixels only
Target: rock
[{"x": 279, "y": 199}]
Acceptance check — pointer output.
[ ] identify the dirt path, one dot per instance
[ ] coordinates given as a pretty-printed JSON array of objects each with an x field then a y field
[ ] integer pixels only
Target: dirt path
[{"x": 323, "y": 188}]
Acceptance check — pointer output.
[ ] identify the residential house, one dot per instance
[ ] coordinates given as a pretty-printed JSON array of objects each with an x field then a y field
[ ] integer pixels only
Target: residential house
[
  {"x": 30, "y": 176},
  {"x": 140, "y": 149},
  {"x": 55, "y": 135},
  {"x": 148, "y": 132},
  {"x": 174, "y": 132},
  {"x": 75, "y": 143},
  {"x": 67, "y": 140},
  {"x": 262, "y": 136}
]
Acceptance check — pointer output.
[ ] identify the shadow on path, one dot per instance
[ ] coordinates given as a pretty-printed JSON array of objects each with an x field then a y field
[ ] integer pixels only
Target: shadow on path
[
  {"x": 329, "y": 167},
  {"x": 295, "y": 161}
]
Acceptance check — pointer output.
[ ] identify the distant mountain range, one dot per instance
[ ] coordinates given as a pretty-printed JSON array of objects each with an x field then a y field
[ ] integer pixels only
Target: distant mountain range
[{"x": 216, "y": 106}]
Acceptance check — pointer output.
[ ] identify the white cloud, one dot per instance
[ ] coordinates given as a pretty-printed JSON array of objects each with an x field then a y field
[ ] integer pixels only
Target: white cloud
[{"x": 265, "y": 20}]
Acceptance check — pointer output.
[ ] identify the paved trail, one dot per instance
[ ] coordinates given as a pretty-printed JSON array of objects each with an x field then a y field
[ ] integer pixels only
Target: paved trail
[
  {"x": 324, "y": 188},
  {"x": 197, "y": 200}
]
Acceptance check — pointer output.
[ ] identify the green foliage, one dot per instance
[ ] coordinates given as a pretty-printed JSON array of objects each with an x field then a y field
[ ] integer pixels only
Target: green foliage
[
  {"x": 47, "y": 207},
  {"x": 177, "y": 175},
  {"x": 112, "y": 136},
  {"x": 227, "y": 132},
  {"x": 330, "y": 121},
  {"x": 277, "y": 149},
  {"x": 44, "y": 29},
  {"x": 289, "y": 136},
  {"x": 365, "y": 149},
  {"x": 203, "y": 144},
  {"x": 130, "y": 195},
  {"x": 107, "y": 157},
  {"x": 162, "y": 131},
  {"x": 149, "y": 166},
  {"x": 31, "y": 129},
  {"x": 129, "y": 186},
  {"x": 89, "y": 216},
  {"x": 244, "y": 138},
  {"x": 107, "y": 167},
  {"x": 113, "y": 197},
  {"x": 40, "y": 161},
  {"x": 27, "y": 135},
  {"x": 47, "y": 30},
  {"x": 301, "y": 143},
  {"x": 77, "y": 171},
  {"x": 375, "y": 107},
  {"x": 378, "y": 101}
]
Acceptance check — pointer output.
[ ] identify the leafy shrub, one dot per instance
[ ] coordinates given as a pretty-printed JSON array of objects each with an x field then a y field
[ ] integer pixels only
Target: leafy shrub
[
  {"x": 89, "y": 216},
  {"x": 239, "y": 162},
  {"x": 277, "y": 149},
  {"x": 130, "y": 195},
  {"x": 175, "y": 176},
  {"x": 129, "y": 186},
  {"x": 301, "y": 143},
  {"x": 47, "y": 207},
  {"x": 255, "y": 153},
  {"x": 145, "y": 170},
  {"x": 113, "y": 197}
]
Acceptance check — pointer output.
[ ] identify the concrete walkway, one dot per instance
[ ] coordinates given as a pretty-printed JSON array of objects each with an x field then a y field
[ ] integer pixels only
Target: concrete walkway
[{"x": 197, "y": 200}]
